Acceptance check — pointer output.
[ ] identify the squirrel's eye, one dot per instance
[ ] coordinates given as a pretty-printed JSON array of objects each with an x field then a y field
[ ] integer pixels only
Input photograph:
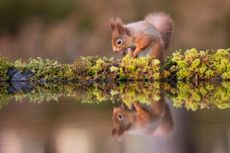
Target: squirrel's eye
[
  {"x": 120, "y": 117},
  {"x": 119, "y": 41}
]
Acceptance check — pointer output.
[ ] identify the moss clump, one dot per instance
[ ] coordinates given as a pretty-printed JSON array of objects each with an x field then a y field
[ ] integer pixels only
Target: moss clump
[
  {"x": 5, "y": 64},
  {"x": 221, "y": 63},
  {"x": 201, "y": 65},
  {"x": 144, "y": 68},
  {"x": 128, "y": 68},
  {"x": 4, "y": 95},
  {"x": 190, "y": 66},
  {"x": 84, "y": 93},
  {"x": 203, "y": 96},
  {"x": 41, "y": 68}
]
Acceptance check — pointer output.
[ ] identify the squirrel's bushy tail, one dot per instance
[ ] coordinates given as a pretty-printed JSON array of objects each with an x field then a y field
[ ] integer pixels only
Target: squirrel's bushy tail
[{"x": 163, "y": 23}]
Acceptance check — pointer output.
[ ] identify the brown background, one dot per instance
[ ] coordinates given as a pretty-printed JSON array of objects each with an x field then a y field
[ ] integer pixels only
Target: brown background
[{"x": 66, "y": 30}]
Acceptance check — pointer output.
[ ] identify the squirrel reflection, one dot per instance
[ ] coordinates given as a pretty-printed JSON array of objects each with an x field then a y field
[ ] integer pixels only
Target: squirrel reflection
[{"x": 141, "y": 119}]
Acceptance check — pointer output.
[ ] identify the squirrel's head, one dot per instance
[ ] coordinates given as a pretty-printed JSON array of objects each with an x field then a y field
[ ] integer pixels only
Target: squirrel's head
[
  {"x": 123, "y": 118},
  {"x": 121, "y": 37}
]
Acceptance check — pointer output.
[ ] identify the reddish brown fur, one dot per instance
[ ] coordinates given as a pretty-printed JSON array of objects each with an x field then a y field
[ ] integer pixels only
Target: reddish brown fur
[
  {"x": 139, "y": 36},
  {"x": 158, "y": 51},
  {"x": 142, "y": 42},
  {"x": 140, "y": 117}
]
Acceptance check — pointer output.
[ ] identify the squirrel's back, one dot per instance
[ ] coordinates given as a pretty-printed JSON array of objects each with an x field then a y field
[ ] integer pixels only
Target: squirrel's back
[
  {"x": 163, "y": 23},
  {"x": 141, "y": 27}
]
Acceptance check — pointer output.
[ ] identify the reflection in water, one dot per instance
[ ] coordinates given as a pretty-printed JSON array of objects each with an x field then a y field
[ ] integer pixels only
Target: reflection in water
[
  {"x": 182, "y": 94},
  {"x": 154, "y": 119},
  {"x": 145, "y": 115},
  {"x": 72, "y": 127}
]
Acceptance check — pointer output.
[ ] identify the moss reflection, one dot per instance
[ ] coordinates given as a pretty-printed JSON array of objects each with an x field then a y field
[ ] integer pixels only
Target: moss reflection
[{"x": 191, "y": 96}]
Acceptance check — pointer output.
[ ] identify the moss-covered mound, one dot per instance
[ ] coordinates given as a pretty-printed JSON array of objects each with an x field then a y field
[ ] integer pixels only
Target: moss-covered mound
[
  {"x": 202, "y": 65},
  {"x": 190, "y": 65},
  {"x": 5, "y": 64}
]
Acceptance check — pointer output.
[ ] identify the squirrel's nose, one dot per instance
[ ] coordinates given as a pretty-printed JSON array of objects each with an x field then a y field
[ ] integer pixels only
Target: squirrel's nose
[{"x": 115, "y": 50}]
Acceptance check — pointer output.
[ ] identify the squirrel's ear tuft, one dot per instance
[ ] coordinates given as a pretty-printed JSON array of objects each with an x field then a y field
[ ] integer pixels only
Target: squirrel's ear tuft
[
  {"x": 122, "y": 30},
  {"x": 112, "y": 23},
  {"x": 119, "y": 21},
  {"x": 120, "y": 26},
  {"x": 116, "y": 23}
]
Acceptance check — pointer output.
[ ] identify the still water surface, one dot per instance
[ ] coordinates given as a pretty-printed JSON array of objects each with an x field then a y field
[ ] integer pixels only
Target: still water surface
[{"x": 67, "y": 126}]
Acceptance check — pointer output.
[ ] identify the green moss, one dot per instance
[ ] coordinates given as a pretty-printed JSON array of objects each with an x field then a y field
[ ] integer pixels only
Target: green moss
[
  {"x": 202, "y": 96},
  {"x": 204, "y": 65},
  {"x": 144, "y": 68},
  {"x": 192, "y": 65},
  {"x": 4, "y": 96},
  {"x": 84, "y": 93},
  {"x": 5, "y": 64}
]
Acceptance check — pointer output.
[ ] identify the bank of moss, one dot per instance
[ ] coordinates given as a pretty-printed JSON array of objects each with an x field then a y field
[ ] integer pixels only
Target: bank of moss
[
  {"x": 191, "y": 65},
  {"x": 5, "y": 64},
  {"x": 201, "y": 65}
]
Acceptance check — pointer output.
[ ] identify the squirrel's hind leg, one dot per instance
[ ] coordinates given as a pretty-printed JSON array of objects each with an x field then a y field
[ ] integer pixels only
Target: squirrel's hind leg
[{"x": 157, "y": 51}]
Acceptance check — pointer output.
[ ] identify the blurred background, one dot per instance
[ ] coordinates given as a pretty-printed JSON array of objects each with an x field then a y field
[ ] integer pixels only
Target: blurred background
[{"x": 66, "y": 30}]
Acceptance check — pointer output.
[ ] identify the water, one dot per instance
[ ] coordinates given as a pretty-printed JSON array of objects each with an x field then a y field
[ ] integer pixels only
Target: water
[{"x": 70, "y": 119}]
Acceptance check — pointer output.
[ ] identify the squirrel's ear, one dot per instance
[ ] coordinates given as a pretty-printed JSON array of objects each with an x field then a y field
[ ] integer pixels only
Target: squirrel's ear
[
  {"x": 121, "y": 28},
  {"x": 119, "y": 21},
  {"x": 112, "y": 23}
]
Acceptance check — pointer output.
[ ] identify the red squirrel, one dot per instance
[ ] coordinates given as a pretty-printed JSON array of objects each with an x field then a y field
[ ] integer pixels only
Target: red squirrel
[
  {"x": 150, "y": 36},
  {"x": 140, "y": 119}
]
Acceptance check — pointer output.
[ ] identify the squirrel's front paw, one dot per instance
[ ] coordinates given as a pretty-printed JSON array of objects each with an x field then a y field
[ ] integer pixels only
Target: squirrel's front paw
[
  {"x": 130, "y": 52},
  {"x": 135, "y": 55}
]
